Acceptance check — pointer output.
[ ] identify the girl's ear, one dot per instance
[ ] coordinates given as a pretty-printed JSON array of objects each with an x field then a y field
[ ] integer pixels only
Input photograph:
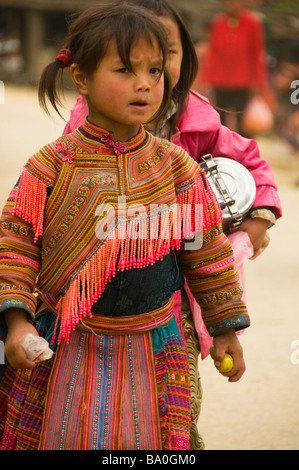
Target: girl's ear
[{"x": 78, "y": 78}]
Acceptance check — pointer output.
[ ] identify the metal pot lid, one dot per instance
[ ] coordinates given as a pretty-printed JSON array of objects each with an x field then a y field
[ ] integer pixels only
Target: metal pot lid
[{"x": 237, "y": 180}]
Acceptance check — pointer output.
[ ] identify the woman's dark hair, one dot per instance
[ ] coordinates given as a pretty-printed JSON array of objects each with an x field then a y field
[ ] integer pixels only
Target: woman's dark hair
[
  {"x": 90, "y": 32},
  {"x": 189, "y": 66}
]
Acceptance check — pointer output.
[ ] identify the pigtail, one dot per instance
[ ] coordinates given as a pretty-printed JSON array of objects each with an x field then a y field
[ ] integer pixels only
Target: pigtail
[{"x": 51, "y": 81}]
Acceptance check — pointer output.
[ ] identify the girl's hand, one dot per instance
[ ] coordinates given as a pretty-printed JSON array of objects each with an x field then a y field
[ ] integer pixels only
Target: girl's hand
[
  {"x": 257, "y": 232},
  {"x": 18, "y": 326},
  {"x": 228, "y": 343}
]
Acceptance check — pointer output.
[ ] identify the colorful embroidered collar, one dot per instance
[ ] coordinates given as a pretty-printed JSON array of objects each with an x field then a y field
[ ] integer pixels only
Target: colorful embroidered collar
[{"x": 94, "y": 134}]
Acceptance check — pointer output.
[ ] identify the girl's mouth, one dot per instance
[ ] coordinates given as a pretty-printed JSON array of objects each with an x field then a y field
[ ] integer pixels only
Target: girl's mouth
[{"x": 139, "y": 104}]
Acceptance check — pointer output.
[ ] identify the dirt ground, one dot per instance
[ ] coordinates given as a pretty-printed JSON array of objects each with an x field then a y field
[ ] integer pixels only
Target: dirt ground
[{"x": 261, "y": 411}]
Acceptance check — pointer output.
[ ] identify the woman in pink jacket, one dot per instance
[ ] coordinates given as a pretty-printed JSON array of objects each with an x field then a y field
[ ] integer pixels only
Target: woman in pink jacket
[{"x": 193, "y": 123}]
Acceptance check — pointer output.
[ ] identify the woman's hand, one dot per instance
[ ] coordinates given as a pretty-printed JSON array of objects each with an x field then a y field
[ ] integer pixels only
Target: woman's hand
[
  {"x": 18, "y": 326},
  {"x": 228, "y": 343}
]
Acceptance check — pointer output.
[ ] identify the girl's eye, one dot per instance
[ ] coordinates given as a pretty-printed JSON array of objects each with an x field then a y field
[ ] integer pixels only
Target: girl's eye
[
  {"x": 123, "y": 70},
  {"x": 172, "y": 51},
  {"x": 155, "y": 71}
]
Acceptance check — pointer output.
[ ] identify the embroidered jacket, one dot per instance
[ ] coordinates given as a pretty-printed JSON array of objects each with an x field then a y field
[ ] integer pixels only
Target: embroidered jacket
[{"x": 87, "y": 207}]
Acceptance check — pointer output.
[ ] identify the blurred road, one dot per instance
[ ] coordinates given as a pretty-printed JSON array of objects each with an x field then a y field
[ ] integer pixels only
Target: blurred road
[{"x": 262, "y": 410}]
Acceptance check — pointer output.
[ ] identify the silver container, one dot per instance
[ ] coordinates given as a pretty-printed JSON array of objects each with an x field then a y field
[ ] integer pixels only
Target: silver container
[{"x": 234, "y": 188}]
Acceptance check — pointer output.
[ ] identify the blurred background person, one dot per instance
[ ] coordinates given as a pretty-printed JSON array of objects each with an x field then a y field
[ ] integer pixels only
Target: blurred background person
[
  {"x": 270, "y": 40},
  {"x": 235, "y": 64},
  {"x": 286, "y": 82}
]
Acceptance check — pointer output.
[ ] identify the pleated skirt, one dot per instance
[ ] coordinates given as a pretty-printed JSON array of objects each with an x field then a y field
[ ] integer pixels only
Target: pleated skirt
[{"x": 113, "y": 391}]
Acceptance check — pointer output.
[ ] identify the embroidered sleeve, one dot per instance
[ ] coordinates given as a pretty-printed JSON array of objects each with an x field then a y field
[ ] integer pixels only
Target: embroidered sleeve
[
  {"x": 21, "y": 227},
  {"x": 214, "y": 282},
  {"x": 19, "y": 261}
]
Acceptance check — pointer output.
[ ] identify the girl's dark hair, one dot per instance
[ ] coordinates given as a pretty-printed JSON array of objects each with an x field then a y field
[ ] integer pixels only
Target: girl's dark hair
[
  {"x": 91, "y": 30},
  {"x": 189, "y": 66}
]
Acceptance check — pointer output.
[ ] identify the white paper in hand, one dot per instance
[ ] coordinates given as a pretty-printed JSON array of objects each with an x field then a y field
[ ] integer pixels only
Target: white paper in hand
[{"x": 36, "y": 346}]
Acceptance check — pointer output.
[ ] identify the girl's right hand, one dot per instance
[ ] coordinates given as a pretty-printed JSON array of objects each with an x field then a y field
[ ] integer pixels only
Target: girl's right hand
[{"x": 18, "y": 326}]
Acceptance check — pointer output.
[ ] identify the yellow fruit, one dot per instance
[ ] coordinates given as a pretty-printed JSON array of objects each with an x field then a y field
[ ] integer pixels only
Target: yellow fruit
[{"x": 226, "y": 365}]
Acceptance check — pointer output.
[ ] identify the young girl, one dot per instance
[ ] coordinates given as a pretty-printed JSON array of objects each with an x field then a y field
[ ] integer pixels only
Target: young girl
[
  {"x": 192, "y": 123},
  {"x": 92, "y": 251}
]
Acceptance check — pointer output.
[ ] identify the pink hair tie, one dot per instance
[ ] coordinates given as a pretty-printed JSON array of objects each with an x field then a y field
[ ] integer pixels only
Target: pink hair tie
[{"x": 65, "y": 57}]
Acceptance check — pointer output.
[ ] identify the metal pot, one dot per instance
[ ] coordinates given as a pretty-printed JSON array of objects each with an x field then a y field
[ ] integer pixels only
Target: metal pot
[{"x": 234, "y": 188}]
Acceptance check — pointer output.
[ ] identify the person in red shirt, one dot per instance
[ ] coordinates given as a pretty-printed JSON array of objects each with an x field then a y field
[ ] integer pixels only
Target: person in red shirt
[{"x": 235, "y": 63}]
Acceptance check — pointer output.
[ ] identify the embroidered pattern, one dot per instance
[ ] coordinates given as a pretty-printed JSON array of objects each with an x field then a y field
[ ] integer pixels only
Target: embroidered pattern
[
  {"x": 98, "y": 403},
  {"x": 71, "y": 390},
  {"x": 221, "y": 296},
  {"x": 173, "y": 389},
  {"x": 134, "y": 394},
  {"x": 17, "y": 228},
  {"x": 12, "y": 287},
  {"x": 108, "y": 394},
  {"x": 87, "y": 183},
  {"x": 151, "y": 162},
  {"x": 211, "y": 233},
  {"x": 106, "y": 180}
]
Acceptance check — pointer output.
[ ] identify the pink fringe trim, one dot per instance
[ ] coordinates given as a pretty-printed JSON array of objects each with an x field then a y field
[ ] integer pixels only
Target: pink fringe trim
[
  {"x": 30, "y": 202},
  {"x": 200, "y": 195},
  {"x": 90, "y": 282},
  {"x": 119, "y": 254}
]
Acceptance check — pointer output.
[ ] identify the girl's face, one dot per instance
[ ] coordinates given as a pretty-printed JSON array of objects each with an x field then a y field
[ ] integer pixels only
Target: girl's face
[
  {"x": 120, "y": 100},
  {"x": 175, "y": 57}
]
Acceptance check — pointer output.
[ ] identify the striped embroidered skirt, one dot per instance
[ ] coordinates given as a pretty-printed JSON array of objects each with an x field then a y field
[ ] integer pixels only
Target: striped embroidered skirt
[{"x": 121, "y": 384}]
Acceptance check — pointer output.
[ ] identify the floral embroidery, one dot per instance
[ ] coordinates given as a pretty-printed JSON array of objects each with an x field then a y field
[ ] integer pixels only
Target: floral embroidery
[
  {"x": 117, "y": 146},
  {"x": 66, "y": 150},
  {"x": 155, "y": 160},
  {"x": 211, "y": 234},
  {"x": 106, "y": 180},
  {"x": 17, "y": 228},
  {"x": 220, "y": 296},
  {"x": 13, "y": 287}
]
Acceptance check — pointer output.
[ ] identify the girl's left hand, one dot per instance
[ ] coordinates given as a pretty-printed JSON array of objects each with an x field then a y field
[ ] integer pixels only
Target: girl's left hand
[
  {"x": 228, "y": 342},
  {"x": 257, "y": 232}
]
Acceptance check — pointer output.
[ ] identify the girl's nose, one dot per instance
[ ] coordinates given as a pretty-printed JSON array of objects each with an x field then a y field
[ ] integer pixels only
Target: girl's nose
[{"x": 142, "y": 83}]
